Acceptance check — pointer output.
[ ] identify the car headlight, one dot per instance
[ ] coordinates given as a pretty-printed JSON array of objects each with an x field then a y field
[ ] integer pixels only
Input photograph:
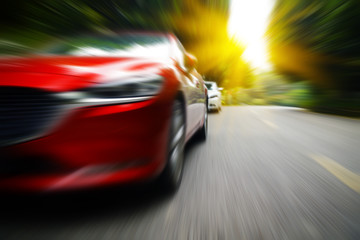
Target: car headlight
[{"x": 116, "y": 92}]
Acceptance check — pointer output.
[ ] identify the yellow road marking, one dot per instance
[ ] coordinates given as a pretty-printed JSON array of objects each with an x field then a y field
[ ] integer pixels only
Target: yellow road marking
[
  {"x": 270, "y": 124},
  {"x": 349, "y": 178}
]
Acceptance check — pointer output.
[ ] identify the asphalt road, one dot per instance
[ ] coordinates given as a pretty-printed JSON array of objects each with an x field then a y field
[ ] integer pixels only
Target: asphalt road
[{"x": 263, "y": 173}]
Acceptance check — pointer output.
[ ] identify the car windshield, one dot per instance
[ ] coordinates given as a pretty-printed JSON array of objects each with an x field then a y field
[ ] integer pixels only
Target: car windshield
[
  {"x": 127, "y": 45},
  {"x": 210, "y": 86}
]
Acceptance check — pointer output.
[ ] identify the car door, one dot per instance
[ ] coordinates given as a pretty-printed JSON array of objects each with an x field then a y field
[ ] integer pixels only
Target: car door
[
  {"x": 200, "y": 95},
  {"x": 190, "y": 89}
]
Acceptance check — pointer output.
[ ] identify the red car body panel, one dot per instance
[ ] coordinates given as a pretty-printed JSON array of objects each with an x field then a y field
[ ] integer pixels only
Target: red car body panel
[{"x": 97, "y": 145}]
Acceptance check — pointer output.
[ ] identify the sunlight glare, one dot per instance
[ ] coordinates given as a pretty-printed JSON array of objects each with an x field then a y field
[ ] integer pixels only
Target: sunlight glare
[{"x": 247, "y": 23}]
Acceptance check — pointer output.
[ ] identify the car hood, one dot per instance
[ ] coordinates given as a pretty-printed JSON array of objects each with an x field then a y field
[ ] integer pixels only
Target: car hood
[{"x": 55, "y": 73}]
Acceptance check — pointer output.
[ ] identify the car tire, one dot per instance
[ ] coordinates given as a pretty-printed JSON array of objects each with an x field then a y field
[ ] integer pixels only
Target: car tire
[
  {"x": 171, "y": 176},
  {"x": 204, "y": 129}
]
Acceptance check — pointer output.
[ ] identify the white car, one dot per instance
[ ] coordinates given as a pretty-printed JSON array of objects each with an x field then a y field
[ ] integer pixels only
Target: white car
[{"x": 214, "y": 96}]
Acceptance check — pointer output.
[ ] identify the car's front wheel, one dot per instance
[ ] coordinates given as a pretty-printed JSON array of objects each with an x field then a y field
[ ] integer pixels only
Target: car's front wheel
[{"x": 172, "y": 174}]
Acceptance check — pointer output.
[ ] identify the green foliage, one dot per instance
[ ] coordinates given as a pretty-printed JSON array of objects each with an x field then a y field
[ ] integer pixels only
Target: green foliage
[
  {"x": 327, "y": 33},
  {"x": 258, "y": 101},
  {"x": 326, "y": 26}
]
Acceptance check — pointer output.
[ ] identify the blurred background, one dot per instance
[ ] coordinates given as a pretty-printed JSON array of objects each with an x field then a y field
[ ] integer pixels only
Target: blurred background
[
  {"x": 285, "y": 52},
  {"x": 264, "y": 172}
]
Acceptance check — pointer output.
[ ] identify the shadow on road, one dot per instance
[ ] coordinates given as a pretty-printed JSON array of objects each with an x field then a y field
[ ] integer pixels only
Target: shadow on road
[{"x": 84, "y": 205}]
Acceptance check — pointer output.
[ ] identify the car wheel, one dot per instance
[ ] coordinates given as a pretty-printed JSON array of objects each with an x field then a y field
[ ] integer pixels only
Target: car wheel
[
  {"x": 203, "y": 130},
  {"x": 171, "y": 177}
]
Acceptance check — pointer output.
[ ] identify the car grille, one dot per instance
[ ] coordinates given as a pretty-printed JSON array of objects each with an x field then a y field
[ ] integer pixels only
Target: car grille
[
  {"x": 12, "y": 165},
  {"x": 25, "y": 113}
]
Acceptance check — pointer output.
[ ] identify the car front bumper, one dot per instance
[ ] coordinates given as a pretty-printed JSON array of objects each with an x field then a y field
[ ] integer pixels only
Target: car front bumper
[{"x": 92, "y": 147}]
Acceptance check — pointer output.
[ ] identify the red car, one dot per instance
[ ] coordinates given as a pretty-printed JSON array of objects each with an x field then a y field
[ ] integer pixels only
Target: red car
[{"x": 96, "y": 111}]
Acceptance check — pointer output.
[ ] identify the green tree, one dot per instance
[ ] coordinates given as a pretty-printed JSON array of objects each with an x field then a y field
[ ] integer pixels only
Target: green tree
[{"x": 318, "y": 40}]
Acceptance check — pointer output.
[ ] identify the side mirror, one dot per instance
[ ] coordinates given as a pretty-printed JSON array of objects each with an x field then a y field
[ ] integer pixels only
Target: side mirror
[
  {"x": 220, "y": 88},
  {"x": 190, "y": 61}
]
